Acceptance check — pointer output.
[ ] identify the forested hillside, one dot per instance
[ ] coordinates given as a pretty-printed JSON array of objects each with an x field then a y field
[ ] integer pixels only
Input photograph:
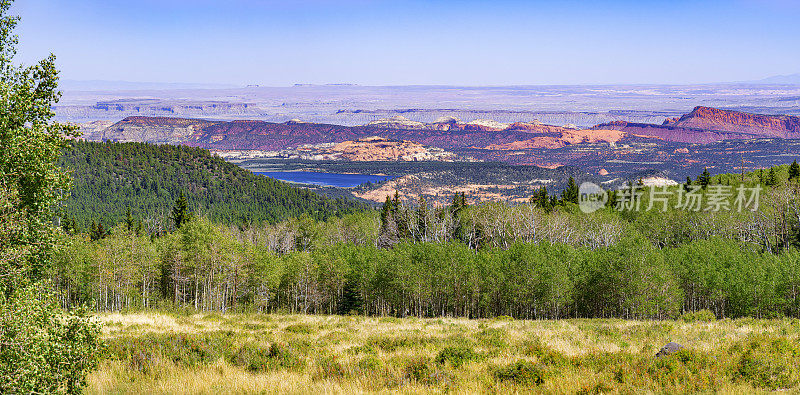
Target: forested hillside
[
  {"x": 541, "y": 259},
  {"x": 110, "y": 178}
]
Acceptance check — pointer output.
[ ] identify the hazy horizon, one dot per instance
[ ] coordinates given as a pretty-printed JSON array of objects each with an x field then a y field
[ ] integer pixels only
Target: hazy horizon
[
  {"x": 203, "y": 85},
  {"x": 380, "y": 43}
]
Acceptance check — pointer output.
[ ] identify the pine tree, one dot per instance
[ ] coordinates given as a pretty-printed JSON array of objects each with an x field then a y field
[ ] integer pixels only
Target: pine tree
[
  {"x": 351, "y": 299},
  {"x": 386, "y": 212},
  {"x": 772, "y": 179},
  {"x": 400, "y": 215},
  {"x": 458, "y": 203},
  {"x": 794, "y": 171},
  {"x": 539, "y": 197},
  {"x": 128, "y": 220},
  {"x": 70, "y": 226},
  {"x": 542, "y": 199},
  {"x": 463, "y": 201},
  {"x": 180, "y": 212},
  {"x": 93, "y": 230},
  {"x": 97, "y": 231},
  {"x": 570, "y": 194},
  {"x": 705, "y": 179},
  {"x": 612, "y": 199}
]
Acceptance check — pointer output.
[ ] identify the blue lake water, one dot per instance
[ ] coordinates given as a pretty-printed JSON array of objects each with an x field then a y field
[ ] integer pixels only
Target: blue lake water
[{"x": 324, "y": 179}]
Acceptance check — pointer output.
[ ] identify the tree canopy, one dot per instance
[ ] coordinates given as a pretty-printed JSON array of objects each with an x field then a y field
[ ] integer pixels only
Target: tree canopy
[{"x": 42, "y": 349}]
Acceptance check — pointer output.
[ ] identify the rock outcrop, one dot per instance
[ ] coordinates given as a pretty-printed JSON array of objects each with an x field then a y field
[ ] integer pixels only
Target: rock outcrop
[
  {"x": 669, "y": 349},
  {"x": 397, "y": 122},
  {"x": 707, "y": 118},
  {"x": 705, "y": 125},
  {"x": 673, "y": 133},
  {"x": 380, "y": 149},
  {"x": 158, "y": 130}
]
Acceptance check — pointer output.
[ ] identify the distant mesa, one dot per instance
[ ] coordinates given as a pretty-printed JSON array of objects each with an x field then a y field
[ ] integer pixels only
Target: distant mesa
[
  {"x": 783, "y": 126},
  {"x": 658, "y": 182},
  {"x": 376, "y": 148},
  {"x": 560, "y": 137},
  {"x": 707, "y": 124},
  {"x": 489, "y": 124},
  {"x": 789, "y": 79},
  {"x": 447, "y": 119},
  {"x": 397, "y": 122},
  {"x": 444, "y": 123}
]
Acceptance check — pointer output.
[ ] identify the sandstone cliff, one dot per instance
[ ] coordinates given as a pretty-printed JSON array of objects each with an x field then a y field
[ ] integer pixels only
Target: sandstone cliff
[
  {"x": 708, "y": 118},
  {"x": 381, "y": 149},
  {"x": 672, "y": 133}
]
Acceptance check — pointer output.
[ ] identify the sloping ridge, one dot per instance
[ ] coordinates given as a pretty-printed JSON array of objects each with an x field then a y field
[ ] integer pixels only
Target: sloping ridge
[
  {"x": 702, "y": 125},
  {"x": 784, "y": 126},
  {"x": 263, "y": 135},
  {"x": 707, "y": 124},
  {"x": 673, "y": 133}
]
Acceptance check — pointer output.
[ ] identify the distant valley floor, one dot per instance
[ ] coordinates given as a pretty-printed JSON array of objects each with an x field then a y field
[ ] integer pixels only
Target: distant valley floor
[{"x": 497, "y": 181}]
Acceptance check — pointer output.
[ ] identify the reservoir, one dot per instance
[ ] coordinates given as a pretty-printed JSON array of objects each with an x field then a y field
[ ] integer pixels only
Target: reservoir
[{"x": 324, "y": 179}]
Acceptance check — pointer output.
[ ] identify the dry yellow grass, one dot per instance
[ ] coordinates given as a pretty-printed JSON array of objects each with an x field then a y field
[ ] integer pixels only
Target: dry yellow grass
[{"x": 340, "y": 354}]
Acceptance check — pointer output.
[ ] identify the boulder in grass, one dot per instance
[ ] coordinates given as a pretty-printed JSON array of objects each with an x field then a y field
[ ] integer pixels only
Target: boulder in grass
[{"x": 669, "y": 349}]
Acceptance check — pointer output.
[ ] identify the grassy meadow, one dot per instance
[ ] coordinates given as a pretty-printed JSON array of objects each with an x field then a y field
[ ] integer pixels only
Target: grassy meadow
[{"x": 274, "y": 353}]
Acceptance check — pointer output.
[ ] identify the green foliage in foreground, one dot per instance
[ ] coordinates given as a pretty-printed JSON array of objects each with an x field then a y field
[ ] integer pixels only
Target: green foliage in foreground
[
  {"x": 111, "y": 178},
  {"x": 432, "y": 355},
  {"x": 42, "y": 349},
  {"x": 207, "y": 267}
]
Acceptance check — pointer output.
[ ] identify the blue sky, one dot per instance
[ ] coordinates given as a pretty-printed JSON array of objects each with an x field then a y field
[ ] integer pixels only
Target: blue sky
[{"x": 367, "y": 42}]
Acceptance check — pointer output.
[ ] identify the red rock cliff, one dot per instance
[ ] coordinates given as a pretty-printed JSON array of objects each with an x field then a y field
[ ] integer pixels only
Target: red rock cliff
[{"x": 708, "y": 118}]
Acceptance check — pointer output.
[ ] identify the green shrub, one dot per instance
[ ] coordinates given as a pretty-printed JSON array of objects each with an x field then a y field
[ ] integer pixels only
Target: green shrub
[
  {"x": 698, "y": 316},
  {"x": 258, "y": 358},
  {"x": 543, "y": 354},
  {"x": 369, "y": 364},
  {"x": 769, "y": 363},
  {"x": 330, "y": 368},
  {"x": 687, "y": 370},
  {"x": 456, "y": 356},
  {"x": 145, "y": 351},
  {"x": 391, "y": 344},
  {"x": 521, "y": 372},
  {"x": 421, "y": 371}
]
